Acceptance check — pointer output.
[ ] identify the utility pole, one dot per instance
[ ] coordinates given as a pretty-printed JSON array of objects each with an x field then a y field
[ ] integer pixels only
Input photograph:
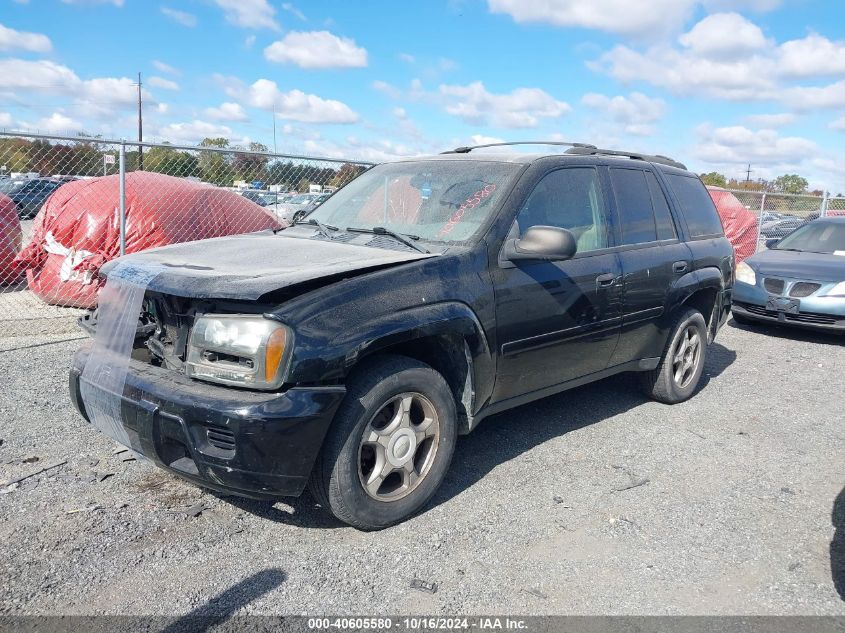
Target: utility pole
[
  {"x": 275, "y": 151},
  {"x": 140, "y": 128}
]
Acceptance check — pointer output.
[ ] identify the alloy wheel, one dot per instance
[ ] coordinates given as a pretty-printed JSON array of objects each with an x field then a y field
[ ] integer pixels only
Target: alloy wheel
[
  {"x": 686, "y": 356},
  {"x": 398, "y": 447}
]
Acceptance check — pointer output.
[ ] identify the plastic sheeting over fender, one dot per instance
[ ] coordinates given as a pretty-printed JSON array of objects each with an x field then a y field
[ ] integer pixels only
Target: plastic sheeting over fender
[
  {"x": 104, "y": 376},
  {"x": 740, "y": 223},
  {"x": 77, "y": 230},
  {"x": 10, "y": 241}
]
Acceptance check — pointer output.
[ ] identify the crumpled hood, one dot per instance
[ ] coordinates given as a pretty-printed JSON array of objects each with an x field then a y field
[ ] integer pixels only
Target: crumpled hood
[
  {"x": 248, "y": 266},
  {"x": 813, "y": 266}
]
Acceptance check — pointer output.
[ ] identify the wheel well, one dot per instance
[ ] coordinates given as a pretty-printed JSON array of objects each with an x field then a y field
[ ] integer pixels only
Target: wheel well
[
  {"x": 703, "y": 300},
  {"x": 449, "y": 355}
]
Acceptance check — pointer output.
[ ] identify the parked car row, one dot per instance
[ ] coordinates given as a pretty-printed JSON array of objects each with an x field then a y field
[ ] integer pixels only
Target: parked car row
[{"x": 29, "y": 195}]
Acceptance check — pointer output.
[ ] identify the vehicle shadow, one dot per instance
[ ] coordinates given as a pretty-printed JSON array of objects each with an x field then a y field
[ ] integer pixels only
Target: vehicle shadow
[
  {"x": 221, "y": 607},
  {"x": 837, "y": 545},
  {"x": 499, "y": 439},
  {"x": 792, "y": 333},
  {"x": 304, "y": 511},
  {"x": 508, "y": 435}
]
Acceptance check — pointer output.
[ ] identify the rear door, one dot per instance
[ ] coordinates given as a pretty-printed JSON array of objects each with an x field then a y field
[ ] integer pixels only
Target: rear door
[
  {"x": 651, "y": 256},
  {"x": 556, "y": 321}
]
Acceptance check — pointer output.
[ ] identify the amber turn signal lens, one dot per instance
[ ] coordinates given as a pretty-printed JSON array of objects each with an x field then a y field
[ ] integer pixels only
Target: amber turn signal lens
[{"x": 274, "y": 353}]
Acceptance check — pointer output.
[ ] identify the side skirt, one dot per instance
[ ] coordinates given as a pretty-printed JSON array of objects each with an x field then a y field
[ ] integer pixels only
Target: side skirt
[{"x": 644, "y": 364}]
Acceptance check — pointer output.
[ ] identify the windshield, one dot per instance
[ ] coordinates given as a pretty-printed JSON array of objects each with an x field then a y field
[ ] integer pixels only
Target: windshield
[
  {"x": 442, "y": 201},
  {"x": 816, "y": 237},
  {"x": 9, "y": 186}
]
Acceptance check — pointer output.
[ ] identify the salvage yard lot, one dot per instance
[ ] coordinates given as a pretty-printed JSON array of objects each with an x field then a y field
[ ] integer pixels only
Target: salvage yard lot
[{"x": 592, "y": 501}]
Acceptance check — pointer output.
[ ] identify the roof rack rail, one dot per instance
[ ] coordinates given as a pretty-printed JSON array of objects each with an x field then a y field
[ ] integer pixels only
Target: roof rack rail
[
  {"x": 468, "y": 149},
  {"x": 651, "y": 158}
]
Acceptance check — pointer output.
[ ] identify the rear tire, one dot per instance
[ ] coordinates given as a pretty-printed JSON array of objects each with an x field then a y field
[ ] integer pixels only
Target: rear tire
[
  {"x": 389, "y": 446},
  {"x": 677, "y": 375}
]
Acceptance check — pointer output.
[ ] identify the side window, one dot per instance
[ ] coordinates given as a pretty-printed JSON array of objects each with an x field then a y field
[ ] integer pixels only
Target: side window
[
  {"x": 633, "y": 200},
  {"x": 570, "y": 199},
  {"x": 699, "y": 210},
  {"x": 662, "y": 215}
]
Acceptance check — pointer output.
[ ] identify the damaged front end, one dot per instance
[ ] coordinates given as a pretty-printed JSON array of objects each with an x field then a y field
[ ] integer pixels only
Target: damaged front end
[{"x": 158, "y": 378}]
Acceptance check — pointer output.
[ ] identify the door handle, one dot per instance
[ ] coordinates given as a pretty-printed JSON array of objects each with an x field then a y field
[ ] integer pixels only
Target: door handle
[
  {"x": 679, "y": 267},
  {"x": 605, "y": 280}
]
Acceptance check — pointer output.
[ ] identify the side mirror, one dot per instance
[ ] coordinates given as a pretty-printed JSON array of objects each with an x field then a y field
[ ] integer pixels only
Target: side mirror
[
  {"x": 772, "y": 243},
  {"x": 542, "y": 243}
]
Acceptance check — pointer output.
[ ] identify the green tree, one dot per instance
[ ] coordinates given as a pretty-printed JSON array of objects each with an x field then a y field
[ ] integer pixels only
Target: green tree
[
  {"x": 166, "y": 160},
  {"x": 714, "y": 179},
  {"x": 789, "y": 183},
  {"x": 214, "y": 166},
  {"x": 252, "y": 166}
]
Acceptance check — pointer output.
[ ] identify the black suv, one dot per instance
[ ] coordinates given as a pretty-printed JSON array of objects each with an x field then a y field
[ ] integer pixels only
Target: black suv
[{"x": 349, "y": 351}]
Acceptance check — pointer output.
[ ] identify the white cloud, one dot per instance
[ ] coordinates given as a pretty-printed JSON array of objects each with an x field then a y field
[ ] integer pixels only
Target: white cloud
[
  {"x": 316, "y": 49},
  {"x": 56, "y": 123},
  {"x": 816, "y": 97},
  {"x": 249, "y": 14},
  {"x": 726, "y": 56},
  {"x": 193, "y": 132},
  {"x": 165, "y": 68},
  {"x": 164, "y": 84},
  {"x": 116, "y": 3},
  {"x": 812, "y": 56},
  {"x": 771, "y": 121},
  {"x": 182, "y": 17},
  {"x": 683, "y": 72},
  {"x": 724, "y": 35},
  {"x": 249, "y": 41},
  {"x": 93, "y": 98},
  {"x": 227, "y": 112},
  {"x": 520, "y": 108},
  {"x": 642, "y": 20},
  {"x": 5, "y": 119},
  {"x": 838, "y": 124},
  {"x": 635, "y": 113},
  {"x": 293, "y": 105},
  {"x": 740, "y": 145},
  {"x": 35, "y": 42},
  {"x": 293, "y": 10},
  {"x": 407, "y": 58},
  {"x": 615, "y": 16},
  {"x": 386, "y": 89},
  {"x": 375, "y": 150}
]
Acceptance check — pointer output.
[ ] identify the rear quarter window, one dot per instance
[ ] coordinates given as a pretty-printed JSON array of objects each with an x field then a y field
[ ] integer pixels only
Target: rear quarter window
[{"x": 696, "y": 205}]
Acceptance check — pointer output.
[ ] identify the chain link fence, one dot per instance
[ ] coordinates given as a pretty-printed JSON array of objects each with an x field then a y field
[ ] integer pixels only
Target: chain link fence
[
  {"x": 754, "y": 219},
  {"x": 68, "y": 205}
]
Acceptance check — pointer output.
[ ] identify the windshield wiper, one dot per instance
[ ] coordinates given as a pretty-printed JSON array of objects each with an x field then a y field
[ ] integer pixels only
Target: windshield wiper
[
  {"x": 326, "y": 229},
  {"x": 399, "y": 237}
]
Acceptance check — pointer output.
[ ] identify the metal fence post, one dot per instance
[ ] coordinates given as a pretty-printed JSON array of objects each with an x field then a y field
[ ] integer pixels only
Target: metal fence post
[
  {"x": 760, "y": 222},
  {"x": 122, "y": 198},
  {"x": 823, "y": 209}
]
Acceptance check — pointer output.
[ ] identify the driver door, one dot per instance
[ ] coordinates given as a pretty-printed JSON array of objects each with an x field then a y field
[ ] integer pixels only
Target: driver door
[{"x": 558, "y": 321}]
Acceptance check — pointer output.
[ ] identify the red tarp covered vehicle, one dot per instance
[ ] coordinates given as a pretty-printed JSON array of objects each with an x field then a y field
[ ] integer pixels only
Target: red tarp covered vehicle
[
  {"x": 10, "y": 241},
  {"x": 77, "y": 230},
  {"x": 740, "y": 223}
]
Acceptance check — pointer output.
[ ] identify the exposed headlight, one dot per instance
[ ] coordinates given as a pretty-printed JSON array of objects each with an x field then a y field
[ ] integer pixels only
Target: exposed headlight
[
  {"x": 837, "y": 291},
  {"x": 249, "y": 351},
  {"x": 745, "y": 274}
]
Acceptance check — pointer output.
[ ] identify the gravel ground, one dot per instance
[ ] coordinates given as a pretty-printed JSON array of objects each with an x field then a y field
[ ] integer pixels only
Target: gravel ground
[{"x": 591, "y": 502}]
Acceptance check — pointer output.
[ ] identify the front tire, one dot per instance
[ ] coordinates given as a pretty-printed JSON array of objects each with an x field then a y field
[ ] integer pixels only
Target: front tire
[
  {"x": 677, "y": 376},
  {"x": 389, "y": 446}
]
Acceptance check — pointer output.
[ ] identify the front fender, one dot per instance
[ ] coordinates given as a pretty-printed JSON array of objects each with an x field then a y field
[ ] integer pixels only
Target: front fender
[{"x": 451, "y": 318}]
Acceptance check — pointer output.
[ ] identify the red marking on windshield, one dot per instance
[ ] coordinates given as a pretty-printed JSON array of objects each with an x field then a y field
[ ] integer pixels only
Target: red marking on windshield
[{"x": 470, "y": 203}]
